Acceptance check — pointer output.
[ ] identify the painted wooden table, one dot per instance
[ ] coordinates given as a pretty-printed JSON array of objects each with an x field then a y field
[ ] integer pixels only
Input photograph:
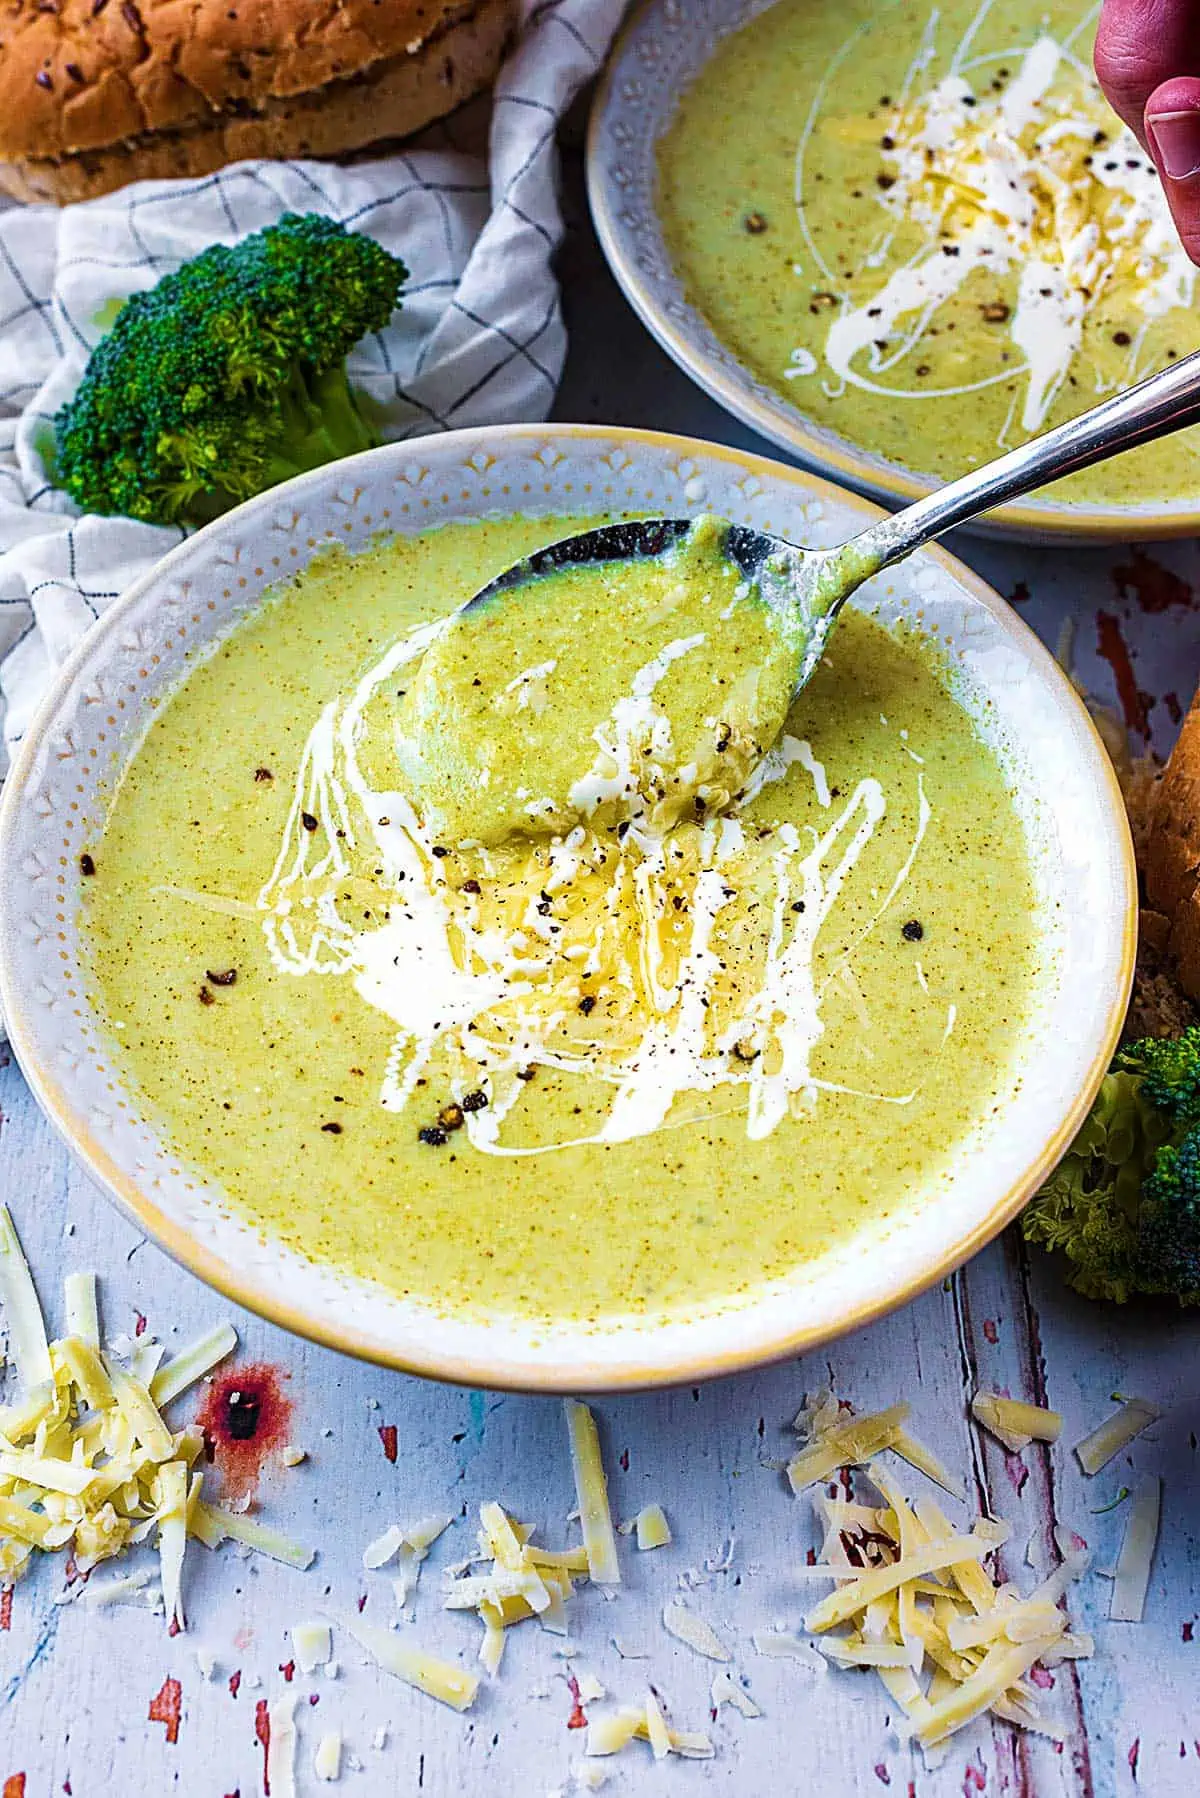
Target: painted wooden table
[{"x": 78, "y": 1684}]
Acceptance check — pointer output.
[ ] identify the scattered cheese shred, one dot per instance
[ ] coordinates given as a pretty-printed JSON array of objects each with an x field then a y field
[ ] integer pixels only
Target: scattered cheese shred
[
  {"x": 610, "y": 1734},
  {"x": 684, "y": 1624},
  {"x": 778, "y": 1644},
  {"x": 850, "y": 1443},
  {"x": 192, "y": 1363},
  {"x": 81, "y": 1308},
  {"x": 591, "y": 1488},
  {"x": 280, "y": 1772},
  {"x": 384, "y": 1548},
  {"x": 1115, "y": 1433},
  {"x": 141, "y": 1414},
  {"x": 23, "y": 1313},
  {"x": 918, "y": 1607},
  {"x": 657, "y": 1733},
  {"x": 726, "y": 1690},
  {"x": 1013, "y": 1422},
  {"x": 312, "y": 1645},
  {"x": 926, "y": 1462},
  {"x": 651, "y": 1528},
  {"x": 523, "y": 1581},
  {"x": 327, "y": 1761},
  {"x": 172, "y": 1534},
  {"x": 1132, "y": 1578},
  {"x": 212, "y": 1525},
  {"x": 436, "y": 1678}
]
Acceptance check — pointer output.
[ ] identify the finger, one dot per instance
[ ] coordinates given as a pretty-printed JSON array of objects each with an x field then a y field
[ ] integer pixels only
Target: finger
[
  {"x": 1140, "y": 44},
  {"x": 1173, "y": 130}
]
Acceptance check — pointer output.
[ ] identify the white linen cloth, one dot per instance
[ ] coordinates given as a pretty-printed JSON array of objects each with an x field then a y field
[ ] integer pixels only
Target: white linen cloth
[{"x": 472, "y": 209}]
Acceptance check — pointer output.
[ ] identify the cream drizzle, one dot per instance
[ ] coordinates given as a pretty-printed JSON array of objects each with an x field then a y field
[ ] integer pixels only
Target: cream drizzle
[
  {"x": 488, "y": 998},
  {"x": 999, "y": 182}
]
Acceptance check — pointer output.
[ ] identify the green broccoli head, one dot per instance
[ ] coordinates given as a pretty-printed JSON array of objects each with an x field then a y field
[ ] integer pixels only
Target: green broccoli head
[
  {"x": 228, "y": 376},
  {"x": 1124, "y": 1203}
]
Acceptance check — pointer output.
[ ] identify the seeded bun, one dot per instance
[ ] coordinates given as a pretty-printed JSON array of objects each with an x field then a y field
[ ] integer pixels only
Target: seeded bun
[
  {"x": 97, "y": 93},
  {"x": 1171, "y": 870}
]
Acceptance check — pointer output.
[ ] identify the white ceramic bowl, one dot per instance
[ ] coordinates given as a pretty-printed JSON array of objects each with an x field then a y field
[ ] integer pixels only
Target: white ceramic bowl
[
  {"x": 104, "y": 697},
  {"x": 661, "y": 51}
]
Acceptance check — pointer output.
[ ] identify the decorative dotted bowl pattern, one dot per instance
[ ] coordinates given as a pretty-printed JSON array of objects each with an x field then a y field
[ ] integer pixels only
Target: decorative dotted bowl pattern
[
  {"x": 663, "y": 48},
  {"x": 106, "y": 695}
]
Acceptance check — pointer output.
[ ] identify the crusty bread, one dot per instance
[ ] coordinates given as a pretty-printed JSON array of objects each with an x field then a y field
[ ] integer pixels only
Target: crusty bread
[
  {"x": 1171, "y": 870},
  {"x": 218, "y": 84}
]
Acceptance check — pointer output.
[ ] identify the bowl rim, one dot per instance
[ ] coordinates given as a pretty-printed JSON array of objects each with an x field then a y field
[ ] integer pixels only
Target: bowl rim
[
  {"x": 827, "y": 453},
  {"x": 190, "y": 1252}
]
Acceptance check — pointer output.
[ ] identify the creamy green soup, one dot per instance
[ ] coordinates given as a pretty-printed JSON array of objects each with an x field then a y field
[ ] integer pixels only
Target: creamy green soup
[
  {"x": 571, "y": 1075},
  {"x": 926, "y": 229},
  {"x": 671, "y": 716}
]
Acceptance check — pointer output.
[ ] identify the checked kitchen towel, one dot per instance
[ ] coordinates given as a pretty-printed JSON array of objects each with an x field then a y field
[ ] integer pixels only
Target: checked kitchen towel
[{"x": 473, "y": 211}]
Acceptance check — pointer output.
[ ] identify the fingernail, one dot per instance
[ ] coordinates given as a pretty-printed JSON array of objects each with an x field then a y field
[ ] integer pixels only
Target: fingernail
[{"x": 1176, "y": 138}]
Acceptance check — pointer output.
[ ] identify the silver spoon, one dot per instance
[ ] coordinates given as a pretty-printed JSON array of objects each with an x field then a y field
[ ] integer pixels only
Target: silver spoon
[{"x": 812, "y": 585}]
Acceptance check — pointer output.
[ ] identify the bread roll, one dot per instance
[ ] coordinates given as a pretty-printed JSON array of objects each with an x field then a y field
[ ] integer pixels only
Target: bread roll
[
  {"x": 97, "y": 93},
  {"x": 1172, "y": 854}
]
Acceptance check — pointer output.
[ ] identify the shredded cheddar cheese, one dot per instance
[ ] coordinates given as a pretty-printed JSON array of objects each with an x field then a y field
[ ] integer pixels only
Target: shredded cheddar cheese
[
  {"x": 1013, "y": 1422},
  {"x": 914, "y": 1602},
  {"x": 591, "y": 1488},
  {"x": 1116, "y": 1432}
]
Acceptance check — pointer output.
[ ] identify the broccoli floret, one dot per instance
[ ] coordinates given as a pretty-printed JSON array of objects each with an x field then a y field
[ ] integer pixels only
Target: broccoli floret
[
  {"x": 229, "y": 375},
  {"x": 1124, "y": 1203}
]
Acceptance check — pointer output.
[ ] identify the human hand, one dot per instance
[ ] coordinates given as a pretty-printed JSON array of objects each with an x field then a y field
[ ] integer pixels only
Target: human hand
[{"x": 1148, "y": 63}]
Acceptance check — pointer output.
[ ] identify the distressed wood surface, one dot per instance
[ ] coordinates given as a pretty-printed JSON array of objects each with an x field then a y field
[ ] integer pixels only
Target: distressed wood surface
[{"x": 76, "y": 1685}]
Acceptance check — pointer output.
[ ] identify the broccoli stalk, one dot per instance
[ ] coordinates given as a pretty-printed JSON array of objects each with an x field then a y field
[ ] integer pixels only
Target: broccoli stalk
[
  {"x": 229, "y": 376},
  {"x": 1124, "y": 1203}
]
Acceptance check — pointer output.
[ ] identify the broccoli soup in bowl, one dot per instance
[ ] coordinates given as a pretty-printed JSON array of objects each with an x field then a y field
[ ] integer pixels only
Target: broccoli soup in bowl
[
  {"x": 926, "y": 239},
  {"x": 614, "y": 1094}
]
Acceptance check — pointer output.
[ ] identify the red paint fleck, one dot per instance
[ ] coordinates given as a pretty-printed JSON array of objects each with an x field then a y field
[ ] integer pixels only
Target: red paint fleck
[
  {"x": 1017, "y": 1472},
  {"x": 1135, "y": 705},
  {"x": 1041, "y": 1677},
  {"x": 235, "y": 1683},
  {"x": 166, "y": 1707},
  {"x": 1174, "y": 709},
  {"x": 1186, "y": 1631},
  {"x": 975, "y": 1778},
  {"x": 6, "y": 1603},
  {"x": 577, "y": 1719},
  {"x": 912, "y": 1788},
  {"x": 811, "y": 1557},
  {"x": 246, "y": 1419},
  {"x": 262, "y": 1729},
  {"x": 288, "y": 1669},
  {"x": 623, "y": 1458},
  {"x": 990, "y": 1330},
  {"x": 882, "y": 1774},
  {"x": 234, "y": 1794},
  {"x": 1155, "y": 588},
  {"x": 391, "y": 1445},
  {"x": 362, "y": 1602},
  {"x": 1019, "y": 594},
  {"x": 314, "y": 1698},
  {"x": 1132, "y": 1756},
  {"x": 139, "y": 1327},
  {"x": 173, "y": 1627},
  {"x": 14, "y": 1786}
]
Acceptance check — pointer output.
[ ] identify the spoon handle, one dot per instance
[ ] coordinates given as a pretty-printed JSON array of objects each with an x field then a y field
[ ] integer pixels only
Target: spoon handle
[{"x": 1155, "y": 407}]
